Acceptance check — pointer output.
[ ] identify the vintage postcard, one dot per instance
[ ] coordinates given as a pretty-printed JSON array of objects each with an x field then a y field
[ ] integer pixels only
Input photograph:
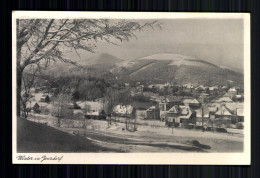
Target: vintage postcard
[{"x": 131, "y": 88}]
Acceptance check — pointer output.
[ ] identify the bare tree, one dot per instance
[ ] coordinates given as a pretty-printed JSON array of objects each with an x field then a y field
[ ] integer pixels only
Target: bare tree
[
  {"x": 28, "y": 82},
  {"x": 41, "y": 41},
  {"x": 61, "y": 108}
]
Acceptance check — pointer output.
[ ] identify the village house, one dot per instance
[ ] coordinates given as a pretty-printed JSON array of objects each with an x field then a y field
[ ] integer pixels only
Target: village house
[
  {"x": 90, "y": 106},
  {"x": 166, "y": 104},
  {"x": 202, "y": 116},
  {"x": 237, "y": 110},
  {"x": 178, "y": 114},
  {"x": 74, "y": 105},
  {"x": 140, "y": 88},
  {"x": 213, "y": 90},
  {"x": 91, "y": 109},
  {"x": 224, "y": 88},
  {"x": 96, "y": 115},
  {"x": 152, "y": 113},
  {"x": 201, "y": 89},
  {"x": 188, "y": 88},
  {"x": 45, "y": 98},
  {"x": 33, "y": 105},
  {"x": 203, "y": 97},
  {"x": 36, "y": 107},
  {"x": 175, "y": 88},
  {"x": 124, "y": 111},
  {"x": 159, "y": 86},
  {"x": 150, "y": 86},
  {"x": 223, "y": 115},
  {"x": 232, "y": 92},
  {"x": 191, "y": 102}
]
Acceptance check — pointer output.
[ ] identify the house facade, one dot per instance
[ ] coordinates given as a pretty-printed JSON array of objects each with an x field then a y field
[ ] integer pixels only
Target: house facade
[
  {"x": 124, "y": 110},
  {"x": 152, "y": 113},
  {"x": 166, "y": 104}
]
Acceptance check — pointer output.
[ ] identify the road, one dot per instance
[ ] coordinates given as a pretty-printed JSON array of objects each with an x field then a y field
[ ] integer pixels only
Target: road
[{"x": 181, "y": 140}]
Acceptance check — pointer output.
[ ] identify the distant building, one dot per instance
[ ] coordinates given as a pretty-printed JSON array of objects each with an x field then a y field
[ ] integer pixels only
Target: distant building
[
  {"x": 90, "y": 106},
  {"x": 188, "y": 88},
  {"x": 178, "y": 114},
  {"x": 237, "y": 110},
  {"x": 201, "y": 89},
  {"x": 213, "y": 90},
  {"x": 95, "y": 115},
  {"x": 152, "y": 113},
  {"x": 202, "y": 115},
  {"x": 192, "y": 102},
  {"x": 140, "y": 88},
  {"x": 232, "y": 92},
  {"x": 224, "y": 99},
  {"x": 168, "y": 103},
  {"x": 124, "y": 110},
  {"x": 159, "y": 86},
  {"x": 45, "y": 98}
]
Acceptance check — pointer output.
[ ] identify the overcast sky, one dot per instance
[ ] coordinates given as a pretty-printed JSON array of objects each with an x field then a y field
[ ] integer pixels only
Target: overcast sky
[{"x": 217, "y": 41}]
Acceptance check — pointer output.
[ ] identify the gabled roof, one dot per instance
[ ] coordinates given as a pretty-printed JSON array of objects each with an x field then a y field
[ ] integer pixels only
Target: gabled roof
[
  {"x": 172, "y": 99},
  {"x": 224, "y": 100},
  {"x": 120, "y": 109},
  {"x": 234, "y": 106},
  {"x": 91, "y": 104},
  {"x": 232, "y": 90},
  {"x": 213, "y": 88},
  {"x": 188, "y": 85},
  {"x": 185, "y": 112},
  {"x": 223, "y": 111},
  {"x": 190, "y": 101},
  {"x": 174, "y": 109},
  {"x": 150, "y": 108},
  {"x": 238, "y": 96},
  {"x": 96, "y": 113}
]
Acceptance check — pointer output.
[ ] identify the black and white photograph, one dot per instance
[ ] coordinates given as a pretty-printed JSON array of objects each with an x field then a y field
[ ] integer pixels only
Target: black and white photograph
[{"x": 131, "y": 88}]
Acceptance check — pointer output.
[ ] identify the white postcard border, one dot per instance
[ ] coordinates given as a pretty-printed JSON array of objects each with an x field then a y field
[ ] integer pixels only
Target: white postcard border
[{"x": 139, "y": 158}]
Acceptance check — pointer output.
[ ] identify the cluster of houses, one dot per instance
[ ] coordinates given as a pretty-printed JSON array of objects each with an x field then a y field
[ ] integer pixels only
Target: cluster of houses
[
  {"x": 222, "y": 111},
  {"x": 173, "y": 108},
  {"x": 35, "y": 105},
  {"x": 190, "y": 89}
]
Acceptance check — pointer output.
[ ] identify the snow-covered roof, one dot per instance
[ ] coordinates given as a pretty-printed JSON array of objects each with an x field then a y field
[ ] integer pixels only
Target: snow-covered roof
[
  {"x": 120, "y": 109},
  {"x": 96, "y": 113},
  {"x": 232, "y": 90},
  {"x": 150, "y": 108},
  {"x": 190, "y": 101},
  {"x": 234, "y": 106},
  {"x": 185, "y": 112},
  {"x": 213, "y": 88},
  {"x": 224, "y": 99},
  {"x": 96, "y": 106},
  {"x": 238, "y": 96},
  {"x": 223, "y": 111}
]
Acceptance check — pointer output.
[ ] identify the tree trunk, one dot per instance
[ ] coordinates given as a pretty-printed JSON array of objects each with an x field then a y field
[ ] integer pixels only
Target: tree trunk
[{"x": 19, "y": 90}]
